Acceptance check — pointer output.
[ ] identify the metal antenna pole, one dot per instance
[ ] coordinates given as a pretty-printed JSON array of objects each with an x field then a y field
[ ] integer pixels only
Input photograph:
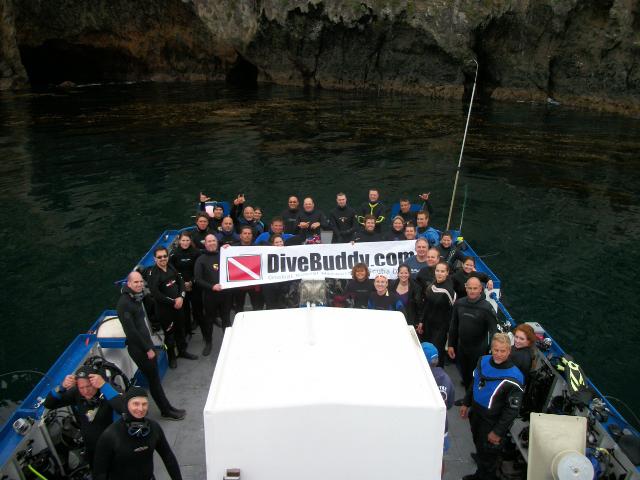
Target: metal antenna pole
[
  {"x": 464, "y": 139},
  {"x": 464, "y": 205}
]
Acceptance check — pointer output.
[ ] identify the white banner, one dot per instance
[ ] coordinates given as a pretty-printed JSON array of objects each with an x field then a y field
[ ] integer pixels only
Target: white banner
[{"x": 254, "y": 265}]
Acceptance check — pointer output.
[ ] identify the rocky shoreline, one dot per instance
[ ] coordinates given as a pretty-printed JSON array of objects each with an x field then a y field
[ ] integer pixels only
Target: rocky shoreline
[{"x": 583, "y": 53}]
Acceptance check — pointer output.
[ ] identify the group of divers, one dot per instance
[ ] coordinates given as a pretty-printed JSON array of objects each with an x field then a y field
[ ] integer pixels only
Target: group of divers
[{"x": 437, "y": 289}]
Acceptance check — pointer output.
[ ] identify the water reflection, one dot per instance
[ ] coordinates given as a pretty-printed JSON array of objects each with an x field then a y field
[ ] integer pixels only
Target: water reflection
[{"x": 95, "y": 174}]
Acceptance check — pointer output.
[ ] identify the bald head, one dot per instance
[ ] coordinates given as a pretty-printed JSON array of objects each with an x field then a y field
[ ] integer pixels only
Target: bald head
[
  {"x": 473, "y": 288},
  {"x": 135, "y": 282},
  {"x": 211, "y": 243}
]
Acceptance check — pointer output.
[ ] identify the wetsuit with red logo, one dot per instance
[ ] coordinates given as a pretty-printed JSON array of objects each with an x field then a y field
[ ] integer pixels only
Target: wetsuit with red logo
[
  {"x": 165, "y": 288},
  {"x": 216, "y": 303}
]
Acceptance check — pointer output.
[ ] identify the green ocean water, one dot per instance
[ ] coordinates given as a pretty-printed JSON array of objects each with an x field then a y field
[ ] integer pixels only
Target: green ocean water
[{"x": 90, "y": 178}]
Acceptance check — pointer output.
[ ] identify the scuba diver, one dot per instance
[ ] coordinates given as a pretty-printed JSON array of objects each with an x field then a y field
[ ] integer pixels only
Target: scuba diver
[
  {"x": 139, "y": 343},
  {"x": 125, "y": 449},
  {"x": 439, "y": 298},
  {"x": 359, "y": 287},
  {"x": 373, "y": 207},
  {"x": 492, "y": 404},
  {"x": 381, "y": 298},
  {"x": 201, "y": 230},
  {"x": 93, "y": 401}
]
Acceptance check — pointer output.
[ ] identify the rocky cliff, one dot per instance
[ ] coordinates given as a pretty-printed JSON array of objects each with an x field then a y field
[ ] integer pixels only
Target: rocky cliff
[{"x": 578, "y": 52}]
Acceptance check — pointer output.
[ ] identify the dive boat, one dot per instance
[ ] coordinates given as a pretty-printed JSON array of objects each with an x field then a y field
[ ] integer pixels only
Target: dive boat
[{"x": 36, "y": 443}]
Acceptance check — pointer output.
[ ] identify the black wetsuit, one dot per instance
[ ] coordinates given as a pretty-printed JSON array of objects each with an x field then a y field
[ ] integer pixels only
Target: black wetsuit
[
  {"x": 197, "y": 237},
  {"x": 451, "y": 255},
  {"x": 207, "y": 274},
  {"x": 184, "y": 262},
  {"x": 165, "y": 288},
  {"x": 413, "y": 303},
  {"x": 290, "y": 218},
  {"x": 395, "y": 235},
  {"x": 276, "y": 294},
  {"x": 214, "y": 223},
  {"x": 426, "y": 276},
  {"x": 314, "y": 216},
  {"x": 362, "y": 236},
  {"x": 460, "y": 278},
  {"x": 93, "y": 415},
  {"x": 343, "y": 222},
  {"x": 378, "y": 210},
  {"x": 131, "y": 315},
  {"x": 357, "y": 293},
  {"x": 412, "y": 216},
  {"x": 436, "y": 318},
  {"x": 409, "y": 217},
  {"x": 523, "y": 359},
  {"x": 121, "y": 456},
  {"x": 473, "y": 324}
]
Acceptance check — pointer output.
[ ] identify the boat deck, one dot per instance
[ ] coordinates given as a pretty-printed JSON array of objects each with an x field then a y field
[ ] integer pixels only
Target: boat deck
[{"x": 188, "y": 386}]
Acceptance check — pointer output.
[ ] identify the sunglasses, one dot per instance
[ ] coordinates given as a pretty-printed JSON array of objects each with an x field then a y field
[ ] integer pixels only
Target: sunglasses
[{"x": 160, "y": 257}]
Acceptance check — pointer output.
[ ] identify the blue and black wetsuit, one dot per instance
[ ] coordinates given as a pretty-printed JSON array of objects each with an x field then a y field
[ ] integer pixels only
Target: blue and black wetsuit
[
  {"x": 227, "y": 238},
  {"x": 430, "y": 234},
  {"x": 265, "y": 238},
  {"x": 411, "y": 216},
  {"x": 388, "y": 301},
  {"x": 93, "y": 415},
  {"x": 411, "y": 300},
  {"x": 495, "y": 399},
  {"x": 239, "y": 221}
]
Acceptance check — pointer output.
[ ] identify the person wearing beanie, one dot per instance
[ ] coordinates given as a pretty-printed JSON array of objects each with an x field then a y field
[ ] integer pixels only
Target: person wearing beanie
[{"x": 125, "y": 449}]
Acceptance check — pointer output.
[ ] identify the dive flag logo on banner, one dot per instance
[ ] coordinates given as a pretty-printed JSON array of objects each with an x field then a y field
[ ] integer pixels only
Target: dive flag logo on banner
[{"x": 244, "y": 267}]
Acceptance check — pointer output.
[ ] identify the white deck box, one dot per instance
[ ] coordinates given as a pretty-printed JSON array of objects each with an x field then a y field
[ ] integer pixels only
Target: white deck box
[{"x": 323, "y": 393}]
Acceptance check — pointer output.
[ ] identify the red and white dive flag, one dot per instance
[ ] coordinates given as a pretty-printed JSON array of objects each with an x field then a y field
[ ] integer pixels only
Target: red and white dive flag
[{"x": 244, "y": 268}]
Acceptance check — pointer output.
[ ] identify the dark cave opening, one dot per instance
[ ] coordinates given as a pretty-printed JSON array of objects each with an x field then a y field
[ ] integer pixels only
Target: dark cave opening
[
  {"x": 57, "y": 61},
  {"x": 243, "y": 74},
  {"x": 488, "y": 76}
]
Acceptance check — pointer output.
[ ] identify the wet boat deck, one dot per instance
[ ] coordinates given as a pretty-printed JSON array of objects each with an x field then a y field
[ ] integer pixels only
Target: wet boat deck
[{"x": 188, "y": 386}]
